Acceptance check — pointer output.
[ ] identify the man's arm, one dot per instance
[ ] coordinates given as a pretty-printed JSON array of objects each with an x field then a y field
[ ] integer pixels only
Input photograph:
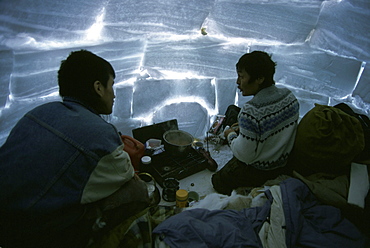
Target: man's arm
[
  {"x": 111, "y": 172},
  {"x": 242, "y": 138}
]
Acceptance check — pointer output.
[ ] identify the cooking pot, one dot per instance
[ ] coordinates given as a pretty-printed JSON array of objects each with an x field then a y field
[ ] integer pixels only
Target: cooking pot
[{"x": 177, "y": 142}]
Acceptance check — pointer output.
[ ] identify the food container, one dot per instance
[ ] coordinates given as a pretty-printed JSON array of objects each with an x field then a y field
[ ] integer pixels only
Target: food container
[
  {"x": 153, "y": 144},
  {"x": 177, "y": 142},
  {"x": 193, "y": 196},
  {"x": 146, "y": 160},
  {"x": 182, "y": 197}
]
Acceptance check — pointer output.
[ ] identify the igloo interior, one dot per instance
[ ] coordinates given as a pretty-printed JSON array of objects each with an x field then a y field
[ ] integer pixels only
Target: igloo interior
[
  {"x": 175, "y": 59},
  {"x": 166, "y": 68}
]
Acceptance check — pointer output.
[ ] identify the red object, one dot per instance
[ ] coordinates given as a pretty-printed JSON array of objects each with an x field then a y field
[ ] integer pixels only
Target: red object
[{"x": 135, "y": 149}]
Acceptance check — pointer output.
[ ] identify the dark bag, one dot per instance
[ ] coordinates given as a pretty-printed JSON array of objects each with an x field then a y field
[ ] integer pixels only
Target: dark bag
[
  {"x": 221, "y": 121},
  {"x": 365, "y": 123},
  {"x": 328, "y": 140},
  {"x": 231, "y": 116}
]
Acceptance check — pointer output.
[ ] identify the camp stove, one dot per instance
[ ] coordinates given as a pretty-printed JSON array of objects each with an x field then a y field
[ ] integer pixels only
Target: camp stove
[{"x": 165, "y": 165}]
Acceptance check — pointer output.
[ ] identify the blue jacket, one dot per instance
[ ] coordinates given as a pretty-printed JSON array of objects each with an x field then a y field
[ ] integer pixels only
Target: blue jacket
[{"x": 60, "y": 155}]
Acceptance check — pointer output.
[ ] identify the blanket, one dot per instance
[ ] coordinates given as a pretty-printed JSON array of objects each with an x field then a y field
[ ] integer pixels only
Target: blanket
[
  {"x": 307, "y": 224},
  {"x": 311, "y": 224}
]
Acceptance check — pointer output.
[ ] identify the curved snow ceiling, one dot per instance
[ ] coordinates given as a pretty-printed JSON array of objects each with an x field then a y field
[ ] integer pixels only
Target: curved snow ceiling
[{"x": 176, "y": 58}]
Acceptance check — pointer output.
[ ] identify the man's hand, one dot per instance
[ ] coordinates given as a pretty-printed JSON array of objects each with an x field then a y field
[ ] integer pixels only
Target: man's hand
[
  {"x": 235, "y": 126},
  {"x": 226, "y": 132}
]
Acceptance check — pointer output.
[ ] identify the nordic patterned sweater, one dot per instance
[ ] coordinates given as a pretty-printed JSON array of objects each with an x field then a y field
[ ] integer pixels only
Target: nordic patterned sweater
[{"x": 267, "y": 129}]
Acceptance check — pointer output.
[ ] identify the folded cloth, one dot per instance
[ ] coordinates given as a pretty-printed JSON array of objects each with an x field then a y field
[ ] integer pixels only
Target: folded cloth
[{"x": 359, "y": 185}]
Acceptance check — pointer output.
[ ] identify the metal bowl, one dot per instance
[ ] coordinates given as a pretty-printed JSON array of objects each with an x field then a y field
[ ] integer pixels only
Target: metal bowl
[{"x": 177, "y": 142}]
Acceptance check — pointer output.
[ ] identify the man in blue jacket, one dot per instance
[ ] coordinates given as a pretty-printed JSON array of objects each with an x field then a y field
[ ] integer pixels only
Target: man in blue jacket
[{"x": 61, "y": 160}]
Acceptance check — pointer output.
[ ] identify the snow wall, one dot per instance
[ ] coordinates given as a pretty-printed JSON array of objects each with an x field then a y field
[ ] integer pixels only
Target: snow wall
[{"x": 176, "y": 58}]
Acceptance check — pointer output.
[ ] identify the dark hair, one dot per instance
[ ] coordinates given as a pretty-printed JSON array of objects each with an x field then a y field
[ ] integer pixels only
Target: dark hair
[
  {"x": 77, "y": 74},
  {"x": 258, "y": 64}
]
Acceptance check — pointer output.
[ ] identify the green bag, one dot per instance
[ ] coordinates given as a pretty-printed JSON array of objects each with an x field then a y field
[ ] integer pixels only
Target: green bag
[{"x": 327, "y": 140}]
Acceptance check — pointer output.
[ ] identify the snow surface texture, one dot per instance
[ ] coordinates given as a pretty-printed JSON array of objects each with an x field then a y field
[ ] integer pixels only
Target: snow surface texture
[{"x": 167, "y": 68}]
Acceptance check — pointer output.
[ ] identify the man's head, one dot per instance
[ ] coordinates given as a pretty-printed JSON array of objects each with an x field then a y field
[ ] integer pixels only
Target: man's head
[
  {"x": 255, "y": 71},
  {"x": 89, "y": 78}
]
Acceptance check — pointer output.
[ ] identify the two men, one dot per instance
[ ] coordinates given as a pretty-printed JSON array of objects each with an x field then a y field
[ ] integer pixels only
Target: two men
[
  {"x": 62, "y": 160},
  {"x": 263, "y": 138}
]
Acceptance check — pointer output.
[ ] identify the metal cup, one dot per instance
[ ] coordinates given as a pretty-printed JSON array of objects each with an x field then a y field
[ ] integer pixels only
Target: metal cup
[{"x": 170, "y": 186}]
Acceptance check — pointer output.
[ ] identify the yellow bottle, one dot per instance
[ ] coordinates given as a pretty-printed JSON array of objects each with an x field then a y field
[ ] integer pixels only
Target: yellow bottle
[{"x": 182, "y": 198}]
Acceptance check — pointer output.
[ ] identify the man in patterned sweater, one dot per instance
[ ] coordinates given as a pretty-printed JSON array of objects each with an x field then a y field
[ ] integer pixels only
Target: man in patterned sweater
[{"x": 263, "y": 138}]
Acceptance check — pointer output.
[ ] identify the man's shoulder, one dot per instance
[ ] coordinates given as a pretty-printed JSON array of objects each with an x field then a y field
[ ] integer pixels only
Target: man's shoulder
[
  {"x": 60, "y": 108},
  {"x": 269, "y": 100},
  {"x": 275, "y": 93},
  {"x": 74, "y": 121},
  {"x": 46, "y": 107},
  {"x": 286, "y": 93},
  {"x": 61, "y": 114},
  {"x": 270, "y": 96}
]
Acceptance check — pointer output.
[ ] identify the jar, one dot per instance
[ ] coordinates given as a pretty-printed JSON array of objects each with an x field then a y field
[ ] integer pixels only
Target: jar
[
  {"x": 146, "y": 160},
  {"x": 182, "y": 197},
  {"x": 150, "y": 183},
  {"x": 170, "y": 186}
]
